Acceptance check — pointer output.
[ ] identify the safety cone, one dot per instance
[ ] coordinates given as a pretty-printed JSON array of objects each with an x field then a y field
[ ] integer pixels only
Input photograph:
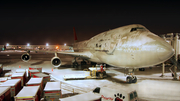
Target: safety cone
[
  {"x": 52, "y": 69},
  {"x": 19, "y": 66}
]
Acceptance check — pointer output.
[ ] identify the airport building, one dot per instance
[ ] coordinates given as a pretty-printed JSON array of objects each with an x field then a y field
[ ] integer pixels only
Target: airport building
[{"x": 37, "y": 47}]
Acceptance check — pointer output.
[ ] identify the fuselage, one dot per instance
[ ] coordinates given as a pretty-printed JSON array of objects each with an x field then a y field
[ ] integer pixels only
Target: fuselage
[{"x": 131, "y": 46}]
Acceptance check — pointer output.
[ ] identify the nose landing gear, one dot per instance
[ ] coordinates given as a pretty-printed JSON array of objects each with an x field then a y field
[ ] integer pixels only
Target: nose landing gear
[{"x": 131, "y": 78}]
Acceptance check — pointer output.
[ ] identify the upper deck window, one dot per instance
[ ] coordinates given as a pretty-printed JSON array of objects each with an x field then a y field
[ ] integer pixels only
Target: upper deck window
[{"x": 137, "y": 28}]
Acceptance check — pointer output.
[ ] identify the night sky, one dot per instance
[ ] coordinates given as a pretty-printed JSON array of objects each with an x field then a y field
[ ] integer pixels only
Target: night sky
[{"x": 41, "y": 22}]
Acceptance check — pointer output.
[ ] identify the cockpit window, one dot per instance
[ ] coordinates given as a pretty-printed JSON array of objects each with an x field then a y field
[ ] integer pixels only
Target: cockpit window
[{"x": 137, "y": 28}]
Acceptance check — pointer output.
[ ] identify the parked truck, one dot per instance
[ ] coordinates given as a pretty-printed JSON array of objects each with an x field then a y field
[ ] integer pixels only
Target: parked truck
[{"x": 109, "y": 94}]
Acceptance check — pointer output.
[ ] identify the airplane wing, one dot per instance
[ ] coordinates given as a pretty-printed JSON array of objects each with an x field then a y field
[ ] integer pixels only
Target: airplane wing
[{"x": 84, "y": 55}]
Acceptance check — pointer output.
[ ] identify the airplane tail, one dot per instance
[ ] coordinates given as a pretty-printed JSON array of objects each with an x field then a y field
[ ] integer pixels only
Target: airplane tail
[{"x": 75, "y": 37}]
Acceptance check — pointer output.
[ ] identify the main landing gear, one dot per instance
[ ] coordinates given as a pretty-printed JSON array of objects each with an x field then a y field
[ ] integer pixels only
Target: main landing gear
[
  {"x": 75, "y": 63},
  {"x": 131, "y": 78}
]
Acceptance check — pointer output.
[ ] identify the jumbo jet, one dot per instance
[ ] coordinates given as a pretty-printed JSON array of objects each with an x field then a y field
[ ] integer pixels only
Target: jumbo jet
[{"x": 131, "y": 47}]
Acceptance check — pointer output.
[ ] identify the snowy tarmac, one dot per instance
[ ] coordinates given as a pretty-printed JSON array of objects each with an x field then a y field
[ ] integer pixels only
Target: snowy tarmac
[{"x": 150, "y": 86}]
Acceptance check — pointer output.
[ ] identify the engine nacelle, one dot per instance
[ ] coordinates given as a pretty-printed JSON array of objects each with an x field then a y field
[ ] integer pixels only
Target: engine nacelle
[
  {"x": 26, "y": 57},
  {"x": 56, "y": 61}
]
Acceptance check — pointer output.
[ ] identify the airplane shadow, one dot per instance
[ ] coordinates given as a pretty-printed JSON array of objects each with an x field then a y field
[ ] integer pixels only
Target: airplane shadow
[
  {"x": 9, "y": 62},
  {"x": 37, "y": 63}
]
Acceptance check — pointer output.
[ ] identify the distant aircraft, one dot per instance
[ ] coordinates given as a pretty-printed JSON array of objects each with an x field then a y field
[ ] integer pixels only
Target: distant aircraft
[{"x": 132, "y": 46}]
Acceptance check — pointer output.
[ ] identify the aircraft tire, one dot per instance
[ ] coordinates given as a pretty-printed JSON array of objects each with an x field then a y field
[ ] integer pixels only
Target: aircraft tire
[
  {"x": 141, "y": 69},
  {"x": 83, "y": 63},
  {"x": 93, "y": 64},
  {"x": 134, "y": 80},
  {"x": 129, "y": 79},
  {"x": 75, "y": 65},
  {"x": 104, "y": 73}
]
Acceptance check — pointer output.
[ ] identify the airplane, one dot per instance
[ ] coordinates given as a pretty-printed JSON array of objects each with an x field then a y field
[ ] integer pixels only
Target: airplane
[{"x": 131, "y": 47}]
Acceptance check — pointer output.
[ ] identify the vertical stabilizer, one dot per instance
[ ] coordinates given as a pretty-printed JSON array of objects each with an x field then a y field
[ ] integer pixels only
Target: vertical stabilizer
[{"x": 75, "y": 37}]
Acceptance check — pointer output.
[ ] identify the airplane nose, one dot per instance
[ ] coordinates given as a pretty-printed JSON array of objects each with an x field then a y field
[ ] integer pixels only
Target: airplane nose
[{"x": 164, "y": 50}]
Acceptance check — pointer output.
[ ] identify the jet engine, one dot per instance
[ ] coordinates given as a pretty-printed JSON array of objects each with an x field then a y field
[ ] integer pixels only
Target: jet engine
[
  {"x": 56, "y": 61},
  {"x": 26, "y": 57}
]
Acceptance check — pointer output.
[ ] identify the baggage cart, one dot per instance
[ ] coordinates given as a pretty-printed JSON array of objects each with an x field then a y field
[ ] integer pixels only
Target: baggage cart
[
  {"x": 52, "y": 91},
  {"x": 19, "y": 76},
  {"x": 32, "y": 72},
  {"x": 15, "y": 85},
  {"x": 8, "y": 74},
  {"x": 46, "y": 78},
  {"x": 36, "y": 68},
  {"x": 5, "y": 94},
  {"x": 36, "y": 82},
  {"x": 28, "y": 93},
  {"x": 3, "y": 79},
  {"x": 25, "y": 74}
]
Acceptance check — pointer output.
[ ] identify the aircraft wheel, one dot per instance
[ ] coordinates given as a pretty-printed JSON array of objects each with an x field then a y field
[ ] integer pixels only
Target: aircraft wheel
[
  {"x": 134, "y": 80},
  {"x": 129, "y": 79},
  {"x": 172, "y": 75},
  {"x": 93, "y": 64},
  {"x": 141, "y": 69},
  {"x": 97, "y": 73},
  {"x": 104, "y": 73},
  {"x": 75, "y": 64},
  {"x": 83, "y": 63}
]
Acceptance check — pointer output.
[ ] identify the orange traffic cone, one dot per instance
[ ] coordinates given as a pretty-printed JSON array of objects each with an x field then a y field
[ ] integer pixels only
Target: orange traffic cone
[
  {"x": 19, "y": 66},
  {"x": 52, "y": 69}
]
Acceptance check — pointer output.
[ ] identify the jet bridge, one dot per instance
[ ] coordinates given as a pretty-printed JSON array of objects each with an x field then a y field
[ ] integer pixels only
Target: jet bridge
[{"x": 173, "y": 39}]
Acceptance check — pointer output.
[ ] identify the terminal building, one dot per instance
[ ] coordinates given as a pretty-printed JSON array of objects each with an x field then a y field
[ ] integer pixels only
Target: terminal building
[{"x": 37, "y": 47}]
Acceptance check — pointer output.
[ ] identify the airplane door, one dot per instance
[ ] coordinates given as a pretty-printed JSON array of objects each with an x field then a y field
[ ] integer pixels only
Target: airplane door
[
  {"x": 111, "y": 48},
  {"x": 113, "y": 43}
]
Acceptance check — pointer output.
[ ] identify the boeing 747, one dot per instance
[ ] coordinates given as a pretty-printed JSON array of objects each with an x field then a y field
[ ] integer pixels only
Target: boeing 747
[{"x": 132, "y": 46}]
